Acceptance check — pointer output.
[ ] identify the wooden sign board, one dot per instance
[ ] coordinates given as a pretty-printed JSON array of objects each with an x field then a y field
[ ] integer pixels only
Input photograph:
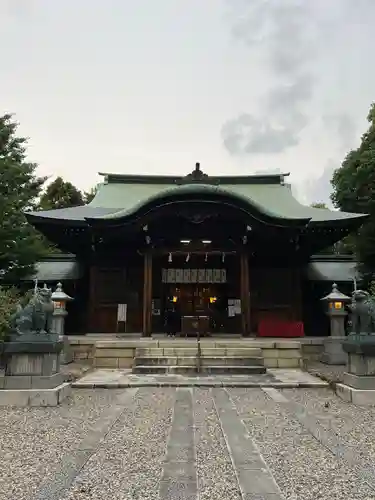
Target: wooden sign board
[{"x": 171, "y": 275}]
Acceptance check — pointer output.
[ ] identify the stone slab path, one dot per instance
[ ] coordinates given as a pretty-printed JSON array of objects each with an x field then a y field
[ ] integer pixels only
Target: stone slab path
[
  {"x": 189, "y": 443},
  {"x": 281, "y": 378}
]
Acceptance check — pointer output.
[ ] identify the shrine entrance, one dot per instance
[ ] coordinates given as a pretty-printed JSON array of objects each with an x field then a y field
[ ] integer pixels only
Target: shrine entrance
[{"x": 188, "y": 299}]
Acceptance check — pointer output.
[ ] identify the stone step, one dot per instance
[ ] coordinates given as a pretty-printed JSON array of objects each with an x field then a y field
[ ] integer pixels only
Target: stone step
[
  {"x": 192, "y": 361},
  {"x": 206, "y": 370},
  {"x": 165, "y": 361},
  {"x": 205, "y": 351}
]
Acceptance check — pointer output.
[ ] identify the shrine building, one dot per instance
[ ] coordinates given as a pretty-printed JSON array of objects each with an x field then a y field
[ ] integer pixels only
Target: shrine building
[{"x": 230, "y": 253}]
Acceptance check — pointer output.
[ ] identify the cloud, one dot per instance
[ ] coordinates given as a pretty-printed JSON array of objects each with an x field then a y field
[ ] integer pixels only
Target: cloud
[
  {"x": 343, "y": 127},
  {"x": 15, "y": 8},
  {"x": 283, "y": 33}
]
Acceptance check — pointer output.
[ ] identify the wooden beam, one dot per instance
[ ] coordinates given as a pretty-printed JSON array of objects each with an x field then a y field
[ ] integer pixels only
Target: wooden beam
[
  {"x": 92, "y": 299},
  {"x": 147, "y": 295},
  {"x": 245, "y": 294}
]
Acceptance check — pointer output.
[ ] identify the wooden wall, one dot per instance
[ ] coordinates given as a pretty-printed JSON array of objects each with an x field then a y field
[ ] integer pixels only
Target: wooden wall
[
  {"x": 113, "y": 285},
  {"x": 274, "y": 292}
]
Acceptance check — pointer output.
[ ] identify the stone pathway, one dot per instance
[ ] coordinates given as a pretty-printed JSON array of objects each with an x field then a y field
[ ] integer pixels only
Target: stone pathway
[
  {"x": 180, "y": 443},
  {"x": 281, "y": 378}
]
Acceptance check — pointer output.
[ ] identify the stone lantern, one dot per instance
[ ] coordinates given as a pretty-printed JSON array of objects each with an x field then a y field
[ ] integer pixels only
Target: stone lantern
[
  {"x": 60, "y": 299},
  {"x": 333, "y": 352}
]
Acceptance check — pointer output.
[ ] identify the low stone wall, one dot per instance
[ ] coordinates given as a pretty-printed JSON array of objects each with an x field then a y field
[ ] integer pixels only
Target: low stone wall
[
  {"x": 312, "y": 352},
  {"x": 83, "y": 348},
  {"x": 119, "y": 353}
]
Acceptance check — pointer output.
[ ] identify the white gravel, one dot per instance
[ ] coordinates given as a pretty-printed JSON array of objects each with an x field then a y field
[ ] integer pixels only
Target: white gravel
[
  {"x": 216, "y": 477},
  {"x": 128, "y": 464},
  {"x": 35, "y": 440},
  {"x": 125, "y": 440},
  {"x": 353, "y": 424},
  {"x": 302, "y": 467}
]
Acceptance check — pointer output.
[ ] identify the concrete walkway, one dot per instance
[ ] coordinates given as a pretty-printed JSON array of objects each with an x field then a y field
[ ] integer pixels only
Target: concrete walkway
[{"x": 114, "y": 379}]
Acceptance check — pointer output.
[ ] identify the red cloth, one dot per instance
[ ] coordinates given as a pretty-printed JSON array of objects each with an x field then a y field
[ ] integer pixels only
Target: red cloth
[{"x": 280, "y": 328}]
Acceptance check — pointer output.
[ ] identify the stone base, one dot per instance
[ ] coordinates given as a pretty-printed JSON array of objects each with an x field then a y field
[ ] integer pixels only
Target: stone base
[
  {"x": 360, "y": 397},
  {"x": 31, "y": 381},
  {"x": 66, "y": 355},
  {"x": 357, "y": 382},
  {"x": 333, "y": 352},
  {"x": 35, "y": 397}
]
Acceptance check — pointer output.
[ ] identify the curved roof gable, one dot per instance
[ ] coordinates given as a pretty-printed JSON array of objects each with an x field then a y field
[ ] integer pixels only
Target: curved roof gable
[{"x": 263, "y": 196}]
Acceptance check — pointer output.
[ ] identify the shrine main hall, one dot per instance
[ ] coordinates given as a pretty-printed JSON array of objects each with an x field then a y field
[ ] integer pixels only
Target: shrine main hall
[{"x": 225, "y": 254}]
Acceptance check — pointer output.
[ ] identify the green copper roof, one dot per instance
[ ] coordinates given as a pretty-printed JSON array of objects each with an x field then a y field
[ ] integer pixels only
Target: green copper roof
[
  {"x": 273, "y": 199},
  {"x": 120, "y": 196}
]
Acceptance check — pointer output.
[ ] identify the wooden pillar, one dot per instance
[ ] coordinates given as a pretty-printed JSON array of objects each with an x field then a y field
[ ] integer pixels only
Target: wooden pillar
[
  {"x": 92, "y": 299},
  {"x": 297, "y": 294},
  {"x": 245, "y": 294},
  {"x": 147, "y": 295}
]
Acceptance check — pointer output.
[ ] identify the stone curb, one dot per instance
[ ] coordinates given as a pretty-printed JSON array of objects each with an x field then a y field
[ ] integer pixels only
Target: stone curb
[{"x": 121, "y": 385}]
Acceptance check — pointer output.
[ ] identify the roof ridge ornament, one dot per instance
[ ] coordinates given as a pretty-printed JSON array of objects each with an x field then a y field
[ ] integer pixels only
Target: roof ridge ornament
[{"x": 197, "y": 176}]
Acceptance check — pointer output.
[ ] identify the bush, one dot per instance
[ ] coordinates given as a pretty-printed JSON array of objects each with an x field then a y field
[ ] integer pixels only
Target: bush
[{"x": 9, "y": 298}]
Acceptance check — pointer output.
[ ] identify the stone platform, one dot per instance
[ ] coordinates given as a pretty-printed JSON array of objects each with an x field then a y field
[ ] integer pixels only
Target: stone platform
[
  {"x": 35, "y": 397},
  {"x": 115, "y": 379},
  {"x": 109, "y": 351}
]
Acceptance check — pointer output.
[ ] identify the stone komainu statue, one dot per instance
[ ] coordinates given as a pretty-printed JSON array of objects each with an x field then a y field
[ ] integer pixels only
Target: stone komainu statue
[
  {"x": 362, "y": 313},
  {"x": 36, "y": 316}
]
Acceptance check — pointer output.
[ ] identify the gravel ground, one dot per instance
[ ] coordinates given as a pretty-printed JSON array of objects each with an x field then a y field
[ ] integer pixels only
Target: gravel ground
[
  {"x": 128, "y": 465},
  {"x": 353, "y": 424},
  {"x": 112, "y": 444},
  {"x": 302, "y": 467},
  {"x": 216, "y": 477},
  {"x": 34, "y": 440},
  {"x": 329, "y": 373}
]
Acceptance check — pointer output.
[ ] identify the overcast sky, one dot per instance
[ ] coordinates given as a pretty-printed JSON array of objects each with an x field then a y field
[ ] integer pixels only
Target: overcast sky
[{"x": 152, "y": 86}]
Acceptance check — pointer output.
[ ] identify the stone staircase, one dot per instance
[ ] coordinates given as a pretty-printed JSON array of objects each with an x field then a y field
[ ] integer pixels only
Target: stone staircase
[{"x": 185, "y": 360}]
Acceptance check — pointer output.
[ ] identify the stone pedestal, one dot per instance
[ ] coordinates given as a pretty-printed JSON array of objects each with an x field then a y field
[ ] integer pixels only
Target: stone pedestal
[
  {"x": 66, "y": 356},
  {"x": 32, "y": 372},
  {"x": 358, "y": 385},
  {"x": 58, "y": 326},
  {"x": 333, "y": 352},
  {"x": 60, "y": 298}
]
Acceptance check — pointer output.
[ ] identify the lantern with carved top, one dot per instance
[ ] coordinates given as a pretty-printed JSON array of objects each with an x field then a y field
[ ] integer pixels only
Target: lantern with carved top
[{"x": 336, "y": 301}]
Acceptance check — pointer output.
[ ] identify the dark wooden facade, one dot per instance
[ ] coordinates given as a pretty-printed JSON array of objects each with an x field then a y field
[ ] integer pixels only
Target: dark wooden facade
[
  {"x": 264, "y": 292},
  {"x": 126, "y": 236}
]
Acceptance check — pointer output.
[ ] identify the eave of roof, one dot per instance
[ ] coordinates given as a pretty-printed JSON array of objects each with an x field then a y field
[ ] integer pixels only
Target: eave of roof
[
  {"x": 125, "y": 196},
  {"x": 112, "y": 178}
]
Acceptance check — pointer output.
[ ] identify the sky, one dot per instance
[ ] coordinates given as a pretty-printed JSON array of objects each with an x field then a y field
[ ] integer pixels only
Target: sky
[{"x": 154, "y": 86}]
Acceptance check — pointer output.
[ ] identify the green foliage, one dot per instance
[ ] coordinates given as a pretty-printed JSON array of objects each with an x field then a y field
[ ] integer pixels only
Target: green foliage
[
  {"x": 371, "y": 289},
  {"x": 319, "y": 205},
  {"x": 60, "y": 194},
  {"x": 89, "y": 195},
  {"x": 342, "y": 247},
  {"x": 9, "y": 298},
  {"x": 20, "y": 245},
  {"x": 354, "y": 191}
]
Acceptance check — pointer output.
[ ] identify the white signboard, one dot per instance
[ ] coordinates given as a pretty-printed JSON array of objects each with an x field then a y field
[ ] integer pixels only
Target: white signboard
[{"x": 121, "y": 312}]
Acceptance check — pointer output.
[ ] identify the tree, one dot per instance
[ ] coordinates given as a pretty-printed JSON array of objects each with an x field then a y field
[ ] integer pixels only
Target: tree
[
  {"x": 89, "y": 195},
  {"x": 342, "y": 247},
  {"x": 60, "y": 194},
  {"x": 20, "y": 245},
  {"x": 319, "y": 205},
  {"x": 354, "y": 191}
]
